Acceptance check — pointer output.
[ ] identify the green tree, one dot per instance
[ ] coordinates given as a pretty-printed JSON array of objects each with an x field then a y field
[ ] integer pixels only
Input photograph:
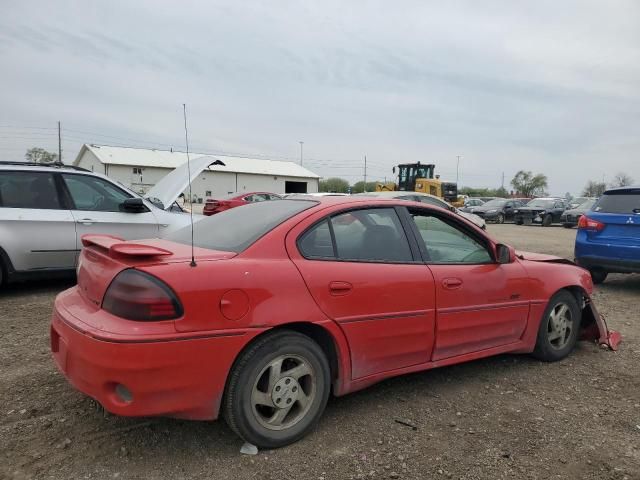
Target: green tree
[
  {"x": 483, "y": 192},
  {"x": 594, "y": 189},
  {"x": 40, "y": 155},
  {"x": 528, "y": 185},
  {"x": 358, "y": 187},
  {"x": 334, "y": 185}
]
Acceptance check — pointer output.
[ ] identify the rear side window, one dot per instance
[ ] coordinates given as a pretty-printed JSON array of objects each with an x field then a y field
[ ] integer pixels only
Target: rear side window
[
  {"x": 22, "y": 189},
  {"x": 236, "y": 229},
  {"x": 368, "y": 235},
  {"x": 625, "y": 201}
]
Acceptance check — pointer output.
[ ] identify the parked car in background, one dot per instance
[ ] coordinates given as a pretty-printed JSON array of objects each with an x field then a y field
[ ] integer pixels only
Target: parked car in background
[
  {"x": 289, "y": 302},
  {"x": 429, "y": 200},
  {"x": 575, "y": 202},
  {"x": 608, "y": 238},
  {"x": 45, "y": 210},
  {"x": 472, "y": 202},
  {"x": 569, "y": 218},
  {"x": 542, "y": 211},
  {"x": 497, "y": 210},
  {"x": 232, "y": 200}
]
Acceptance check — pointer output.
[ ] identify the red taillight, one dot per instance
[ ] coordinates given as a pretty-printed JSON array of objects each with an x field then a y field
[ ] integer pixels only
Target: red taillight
[
  {"x": 586, "y": 223},
  {"x": 136, "y": 295}
]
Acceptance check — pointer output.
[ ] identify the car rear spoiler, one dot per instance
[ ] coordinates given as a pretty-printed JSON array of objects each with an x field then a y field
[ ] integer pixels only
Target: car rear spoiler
[{"x": 119, "y": 246}]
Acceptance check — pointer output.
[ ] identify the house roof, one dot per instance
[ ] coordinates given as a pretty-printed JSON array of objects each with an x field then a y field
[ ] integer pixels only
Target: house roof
[{"x": 141, "y": 157}]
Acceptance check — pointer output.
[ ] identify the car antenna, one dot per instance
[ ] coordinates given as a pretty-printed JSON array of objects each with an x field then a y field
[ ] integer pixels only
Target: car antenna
[{"x": 186, "y": 141}]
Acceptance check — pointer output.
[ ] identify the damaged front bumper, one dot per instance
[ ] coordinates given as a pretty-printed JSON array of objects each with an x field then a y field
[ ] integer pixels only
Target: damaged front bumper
[{"x": 594, "y": 327}]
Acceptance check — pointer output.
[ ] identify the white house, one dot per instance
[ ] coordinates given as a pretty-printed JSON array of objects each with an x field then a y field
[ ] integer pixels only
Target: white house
[{"x": 140, "y": 169}]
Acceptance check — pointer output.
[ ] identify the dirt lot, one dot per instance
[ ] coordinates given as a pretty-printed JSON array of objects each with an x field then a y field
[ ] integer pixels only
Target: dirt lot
[{"x": 504, "y": 417}]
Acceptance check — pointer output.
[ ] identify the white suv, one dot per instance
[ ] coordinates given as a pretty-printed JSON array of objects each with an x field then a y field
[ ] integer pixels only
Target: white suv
[{"x": 45, "y": 210}]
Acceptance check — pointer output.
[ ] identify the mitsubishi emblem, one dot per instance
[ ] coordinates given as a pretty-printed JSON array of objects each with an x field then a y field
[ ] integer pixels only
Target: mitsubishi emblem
[{"x": 630, "y": 220}]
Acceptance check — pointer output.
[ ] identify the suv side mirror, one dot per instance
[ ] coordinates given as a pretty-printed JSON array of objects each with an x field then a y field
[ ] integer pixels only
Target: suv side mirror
[
  {"x": 133, "y": 205},
  {"x": 503, "y": 253}
]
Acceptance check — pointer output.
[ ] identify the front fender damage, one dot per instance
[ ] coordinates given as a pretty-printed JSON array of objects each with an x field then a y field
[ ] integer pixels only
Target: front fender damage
[{"x": 594, "y": 327}]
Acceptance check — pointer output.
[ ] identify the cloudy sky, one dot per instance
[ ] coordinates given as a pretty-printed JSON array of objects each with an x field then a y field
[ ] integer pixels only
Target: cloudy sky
[{"x": 548, "y": 86}]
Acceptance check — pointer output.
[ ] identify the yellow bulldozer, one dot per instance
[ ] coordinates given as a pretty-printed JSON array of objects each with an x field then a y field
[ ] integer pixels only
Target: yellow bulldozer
[{"x": 418, "y": 177}]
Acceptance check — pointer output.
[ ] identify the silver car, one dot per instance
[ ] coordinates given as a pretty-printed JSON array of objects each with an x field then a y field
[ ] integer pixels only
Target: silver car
[
  {"x": 46, "y": 209},
  {"x": 430, "y": 200}
]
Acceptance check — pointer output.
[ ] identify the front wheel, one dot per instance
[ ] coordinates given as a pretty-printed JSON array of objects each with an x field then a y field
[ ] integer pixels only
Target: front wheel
[
  {"x": 547, "y": 221},
  {"x": 277, "y": 389},
  {"x": 500, "y": 218},
  {"x": 558, "y": 332}
]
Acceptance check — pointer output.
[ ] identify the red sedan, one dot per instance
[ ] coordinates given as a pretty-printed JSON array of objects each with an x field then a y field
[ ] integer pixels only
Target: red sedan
[
  {"x": 286, "y": 302},
  {"x": 213, "y": 206}
]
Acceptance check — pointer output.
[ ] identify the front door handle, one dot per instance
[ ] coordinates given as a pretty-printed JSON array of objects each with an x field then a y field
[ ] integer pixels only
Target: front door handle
[
  {"x": 86, "y": 221},
  {"x": 452, "y": 283},
  {"x": 340, "y": 288}
]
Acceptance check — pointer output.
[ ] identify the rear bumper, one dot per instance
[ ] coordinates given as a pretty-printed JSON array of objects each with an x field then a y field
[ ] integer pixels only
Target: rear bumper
[
  {"x": 611, "y": 265},
  {"x": 183, "y": 378}
]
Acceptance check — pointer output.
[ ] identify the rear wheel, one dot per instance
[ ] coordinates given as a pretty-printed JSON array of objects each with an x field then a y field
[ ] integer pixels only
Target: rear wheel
[
  {"x": 277, "y": 389},
  {"x": 558, "y": 332},
  {"x": 519, "y": 221},
  {"x": 547, "y": 221},
  {"x": 500, "y": 218},
  {"x": 598, "y": 275}
]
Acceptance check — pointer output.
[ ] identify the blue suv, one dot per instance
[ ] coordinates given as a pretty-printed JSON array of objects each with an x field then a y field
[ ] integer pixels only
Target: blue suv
[{"x": 608, "y": 238}]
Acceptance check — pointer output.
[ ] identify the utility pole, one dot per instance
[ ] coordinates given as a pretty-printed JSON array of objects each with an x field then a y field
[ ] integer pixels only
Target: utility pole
[
  {"x": 364, "y": 189},
  {"x": 301, "y": 144},
  {"x": 59, "y": 144},
  {"x": 502, "y": 187},
  {"x": 458, "y": 169}
]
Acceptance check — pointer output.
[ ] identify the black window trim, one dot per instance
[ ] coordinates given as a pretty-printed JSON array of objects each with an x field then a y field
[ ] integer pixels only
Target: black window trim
[
  {"x": 413, "y": 247},
  {"x": 456, "y": 223}
]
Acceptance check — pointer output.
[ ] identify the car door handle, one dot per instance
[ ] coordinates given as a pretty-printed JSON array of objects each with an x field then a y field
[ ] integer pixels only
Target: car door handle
[
  {"x": 86, "y": 221},
  {"x": 340, "y": 288},
  {"x": 452, "y": 283}
]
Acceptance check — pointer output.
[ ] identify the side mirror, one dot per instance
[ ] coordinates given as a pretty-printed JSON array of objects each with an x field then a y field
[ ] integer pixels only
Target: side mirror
[
  {"x": 393, "y": 169},
  {"x": 133, "y": 205},
  {"x": 504, "y": 253}
]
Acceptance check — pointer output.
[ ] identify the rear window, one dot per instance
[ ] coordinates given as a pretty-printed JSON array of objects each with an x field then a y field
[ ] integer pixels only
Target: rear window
[
  {"x": 624, "y": 201},
  {"x": 23, "y": 189},
  {"x": 236, "y": 229}
]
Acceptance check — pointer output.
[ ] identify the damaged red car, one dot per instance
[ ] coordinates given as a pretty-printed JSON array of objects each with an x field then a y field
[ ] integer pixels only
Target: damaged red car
[{"x": 281, "y": 304}]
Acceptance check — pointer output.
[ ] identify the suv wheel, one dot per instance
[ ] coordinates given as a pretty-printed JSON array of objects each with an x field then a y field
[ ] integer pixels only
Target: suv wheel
[{"x": 598, "y": 275}]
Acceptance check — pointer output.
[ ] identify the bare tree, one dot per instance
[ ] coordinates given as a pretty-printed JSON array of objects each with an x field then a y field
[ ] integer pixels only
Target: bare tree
[
  {"x": 594, "y": 189},
  {"x": 621, "y": 179}
]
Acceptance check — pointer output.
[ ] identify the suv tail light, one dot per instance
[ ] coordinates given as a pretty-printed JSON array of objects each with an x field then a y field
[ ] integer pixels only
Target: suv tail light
[
  {"x": 586, "y": 223},
  {"x": 136, "y": 295}
]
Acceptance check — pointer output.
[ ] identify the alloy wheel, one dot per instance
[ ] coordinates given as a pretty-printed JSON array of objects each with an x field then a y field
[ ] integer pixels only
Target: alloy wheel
[{"x": 560, "y": 326}]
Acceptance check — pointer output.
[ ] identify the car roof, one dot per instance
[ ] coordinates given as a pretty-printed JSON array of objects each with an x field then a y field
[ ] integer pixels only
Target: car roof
[
  {"x": 622, "y": 189},
  {"x": 45, "y": 167}
]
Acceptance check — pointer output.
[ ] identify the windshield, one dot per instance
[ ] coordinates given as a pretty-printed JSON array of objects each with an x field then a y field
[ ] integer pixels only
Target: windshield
[
  {"x": 497, "y": 203},
  {"x": 541, "y": 203},
  {"x": 586, "y": 205},
  {"x": 625, "y": 201},
  {"x": 236, "y": 229}
]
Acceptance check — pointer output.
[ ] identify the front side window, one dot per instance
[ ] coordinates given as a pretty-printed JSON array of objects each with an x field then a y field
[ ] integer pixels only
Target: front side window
[
  {"x": 446, "y": 243},
  {"x": 94, "y": 194},
  {"x": 22, "y": 189},
  {"x": 369, "y": 235}
]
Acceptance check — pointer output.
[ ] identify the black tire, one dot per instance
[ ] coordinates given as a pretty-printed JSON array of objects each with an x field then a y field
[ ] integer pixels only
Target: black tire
[
  {"x": 519, "y": 221},
  {"x": 248, "y": 375},
  {"x": 550, "y": 348},
  {"x": 547, "y": 221},
  {"x": 500, "y": 218},
  {"x": 598, "y": 275}
]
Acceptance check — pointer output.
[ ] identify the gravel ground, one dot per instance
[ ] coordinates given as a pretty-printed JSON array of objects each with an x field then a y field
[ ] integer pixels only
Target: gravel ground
[{"x": 504, "y": 417}]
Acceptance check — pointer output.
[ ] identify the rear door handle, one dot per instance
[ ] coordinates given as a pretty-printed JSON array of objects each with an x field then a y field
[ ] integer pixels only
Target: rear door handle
[
  {"x": 452, "y": 283},
  {"x": 340, "y": 288}
]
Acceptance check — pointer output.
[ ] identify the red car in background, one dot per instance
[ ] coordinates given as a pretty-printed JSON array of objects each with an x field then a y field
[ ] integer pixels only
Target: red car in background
[
  {"x": 290, "y": 301},
  {"x": 213, "y": 206}
]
